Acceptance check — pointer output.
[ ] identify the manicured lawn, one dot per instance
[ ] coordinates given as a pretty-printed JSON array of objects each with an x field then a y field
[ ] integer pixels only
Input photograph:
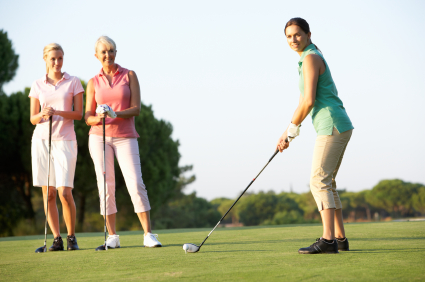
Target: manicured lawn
[{"x": 379, "y": 252}]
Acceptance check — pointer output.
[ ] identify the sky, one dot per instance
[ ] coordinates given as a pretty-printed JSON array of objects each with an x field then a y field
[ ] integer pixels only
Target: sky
[{"x": 223, "y": 75}]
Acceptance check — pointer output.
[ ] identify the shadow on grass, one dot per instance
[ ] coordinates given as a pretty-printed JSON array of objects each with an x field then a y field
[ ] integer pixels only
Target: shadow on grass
[{"x": 373, "y": 251}]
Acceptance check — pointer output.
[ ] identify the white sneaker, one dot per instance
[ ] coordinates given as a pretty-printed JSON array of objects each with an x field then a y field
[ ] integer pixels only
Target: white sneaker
[
  {"x": 113, "y": 241},
  {"x": 151, "y": 241}
]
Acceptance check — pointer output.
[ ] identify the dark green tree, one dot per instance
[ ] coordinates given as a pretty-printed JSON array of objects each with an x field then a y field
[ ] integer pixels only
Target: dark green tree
[
  {"x": 15, "y": 169},
  {"x": 394, "y": 196},
  {"x": 8, "y": 60}
]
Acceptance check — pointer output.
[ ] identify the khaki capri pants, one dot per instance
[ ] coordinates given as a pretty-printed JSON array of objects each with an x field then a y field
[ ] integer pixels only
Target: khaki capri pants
[{"x": 327, "y": 157}]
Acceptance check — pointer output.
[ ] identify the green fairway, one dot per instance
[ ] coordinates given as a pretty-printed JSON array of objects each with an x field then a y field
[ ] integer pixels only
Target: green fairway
[{"x": 379, "y": 252}]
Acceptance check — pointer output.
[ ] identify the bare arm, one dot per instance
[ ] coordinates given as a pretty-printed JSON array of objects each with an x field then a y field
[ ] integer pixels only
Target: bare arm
[
  {"x": 313, "y": 66},
  {"x": 134, "y": 109},
  {"x": 90, "y": 117},
  {"x": 35, "y": 115},
  {"x": 77, "y": 113}
]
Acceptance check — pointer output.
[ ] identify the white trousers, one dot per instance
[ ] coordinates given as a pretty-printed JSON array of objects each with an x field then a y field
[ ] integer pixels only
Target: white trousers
[{"x": 126, "y": 150}]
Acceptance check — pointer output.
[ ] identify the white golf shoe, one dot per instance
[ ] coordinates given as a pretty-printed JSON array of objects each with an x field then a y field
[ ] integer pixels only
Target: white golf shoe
[
  {"x": 151, "y": 241},
  {"x": 113, "y": 241}
]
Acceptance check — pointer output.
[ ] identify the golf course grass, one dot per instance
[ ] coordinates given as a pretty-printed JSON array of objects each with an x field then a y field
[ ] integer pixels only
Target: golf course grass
[{"x": 379, "y": 252}]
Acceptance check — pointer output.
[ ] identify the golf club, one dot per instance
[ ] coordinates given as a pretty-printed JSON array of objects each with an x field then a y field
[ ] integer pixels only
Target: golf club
[
  {"x": 192, "y": 248},
  {"x": 105, "y": 247},
  {"x": 44, "y": 248}
]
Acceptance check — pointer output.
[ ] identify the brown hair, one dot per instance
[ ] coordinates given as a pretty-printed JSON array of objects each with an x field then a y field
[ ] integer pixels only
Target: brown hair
[
  {"x": 51, "y": 47},
  {"x": 303, "y": 24}
]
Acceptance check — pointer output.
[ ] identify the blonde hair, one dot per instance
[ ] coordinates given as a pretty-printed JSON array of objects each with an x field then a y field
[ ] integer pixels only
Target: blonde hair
[
  {"x": 108, "y": 42},
  {"x": 51, "y": 47}
]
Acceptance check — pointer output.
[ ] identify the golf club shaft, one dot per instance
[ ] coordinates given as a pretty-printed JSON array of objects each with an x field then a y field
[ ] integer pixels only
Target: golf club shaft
[
  {"x": 104, "y": 177},
  {"x": 252, "y": 181},
  {"x": 48, "y": 183}
]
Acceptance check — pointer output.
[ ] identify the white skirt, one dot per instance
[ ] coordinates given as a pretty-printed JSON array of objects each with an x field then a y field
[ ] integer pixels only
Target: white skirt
[{"x": 63, "y": 159}]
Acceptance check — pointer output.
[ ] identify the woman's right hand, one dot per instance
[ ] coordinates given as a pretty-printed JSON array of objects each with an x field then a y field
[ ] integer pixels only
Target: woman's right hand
[
  {"x": 46, "y": 113},
  {"x": 99, "y": 117},
  {"x": 282, "y": 143}
]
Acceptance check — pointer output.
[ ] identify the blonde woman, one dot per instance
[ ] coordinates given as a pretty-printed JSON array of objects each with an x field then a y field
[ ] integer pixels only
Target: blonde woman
[
  {"x": 118, "y": 88},
  {"x": 59, "y": 95}
]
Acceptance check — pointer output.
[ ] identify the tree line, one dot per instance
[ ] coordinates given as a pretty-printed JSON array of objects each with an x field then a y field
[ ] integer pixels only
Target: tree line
[{"x": 388, "y": 199}]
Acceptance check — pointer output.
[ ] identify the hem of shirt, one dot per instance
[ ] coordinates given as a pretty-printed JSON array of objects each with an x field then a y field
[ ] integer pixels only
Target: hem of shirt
[{"x": 106, "y": 135}]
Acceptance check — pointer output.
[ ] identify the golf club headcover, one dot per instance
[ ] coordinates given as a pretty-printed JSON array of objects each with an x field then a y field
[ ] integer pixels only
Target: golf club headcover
[
  {"x": 106, "y": 109},
  {"x": 293, "y": 131}
]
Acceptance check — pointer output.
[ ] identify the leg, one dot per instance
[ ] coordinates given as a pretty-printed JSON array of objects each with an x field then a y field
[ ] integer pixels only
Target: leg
[
  {"x": 53, "y": 216},
  {"x": 328, "y": 223},
  {"x": 339, "y": 224},
  {"x": 338, "y": 220},
  {"x": 145, "y": 220},
  {"x": 327, "y": 158},
  {"x": 69, "y": 210},
  {"x": 110, "y": 223},
  {"x": 96, "y": 152},
  {"x": 127, "y": 152}
]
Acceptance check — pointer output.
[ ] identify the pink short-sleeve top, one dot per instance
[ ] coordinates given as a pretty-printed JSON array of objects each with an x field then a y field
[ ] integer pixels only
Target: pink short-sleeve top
[
  {"x": 117, "y": 95},
  {"x": 61, "y": 98}
]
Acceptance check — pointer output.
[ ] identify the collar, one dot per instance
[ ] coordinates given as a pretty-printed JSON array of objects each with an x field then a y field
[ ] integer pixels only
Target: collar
[
  {"x": 119, "y": 70},
  {"x": 64, "y": 76},
  {"x": 305, "y": 51}
]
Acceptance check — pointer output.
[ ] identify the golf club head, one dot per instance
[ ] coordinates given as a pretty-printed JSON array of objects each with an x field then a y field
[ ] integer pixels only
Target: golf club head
[
  {"x": 190, "y": 248},
  {"x": 102, "y": 248},
  {"x": 41, "y": 249}
]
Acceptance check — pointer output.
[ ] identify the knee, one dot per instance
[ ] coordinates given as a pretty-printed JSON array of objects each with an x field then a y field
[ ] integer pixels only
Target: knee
[
  {"x": 52, "y": 195},
  {"x": 65, "y": 195}
]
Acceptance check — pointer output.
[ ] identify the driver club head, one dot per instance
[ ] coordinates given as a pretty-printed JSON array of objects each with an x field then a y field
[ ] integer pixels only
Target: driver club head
[
  {"x": 41, "y": 249},
  {"x": 190, "y": 248}
]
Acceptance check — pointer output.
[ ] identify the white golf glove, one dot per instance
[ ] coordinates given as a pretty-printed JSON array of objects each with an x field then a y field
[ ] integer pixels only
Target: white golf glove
[
  {"x": 106, "y": 109},
  {"x": 293, "y": 131}
]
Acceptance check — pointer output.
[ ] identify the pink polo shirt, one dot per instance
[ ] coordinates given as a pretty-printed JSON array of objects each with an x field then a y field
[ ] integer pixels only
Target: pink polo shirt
[
  {"x": 60, "y": 98},
  {"x": 118, "y": 97}
]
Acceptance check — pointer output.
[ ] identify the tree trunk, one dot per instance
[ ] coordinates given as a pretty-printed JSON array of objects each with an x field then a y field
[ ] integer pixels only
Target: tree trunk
[
  {"x": 22, "y": 184},
  {"x": 81, "y": 212}
]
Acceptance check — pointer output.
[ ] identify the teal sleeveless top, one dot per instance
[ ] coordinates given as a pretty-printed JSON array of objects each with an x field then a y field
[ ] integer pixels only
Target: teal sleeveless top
[{"x": 328, "y": 111}]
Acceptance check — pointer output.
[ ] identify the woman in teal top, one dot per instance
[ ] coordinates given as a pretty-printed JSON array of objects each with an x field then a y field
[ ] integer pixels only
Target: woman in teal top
[{"x": 319, "y": 97}]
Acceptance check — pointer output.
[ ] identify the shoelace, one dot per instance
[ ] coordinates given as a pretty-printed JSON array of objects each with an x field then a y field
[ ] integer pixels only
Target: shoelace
[
  {"x": 154, "y": 237},
  {"x": 317, "y": 241}
]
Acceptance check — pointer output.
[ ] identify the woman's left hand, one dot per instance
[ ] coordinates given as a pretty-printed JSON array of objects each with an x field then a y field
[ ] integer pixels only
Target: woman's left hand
[{"x": 282, "y": 144}]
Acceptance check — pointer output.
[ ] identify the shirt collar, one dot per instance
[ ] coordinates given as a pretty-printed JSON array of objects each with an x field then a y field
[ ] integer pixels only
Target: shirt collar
[
  {"x": 119, "y": 70},
  {"x": 64, "y": 76},
  {"x": 308, "y": 48}
]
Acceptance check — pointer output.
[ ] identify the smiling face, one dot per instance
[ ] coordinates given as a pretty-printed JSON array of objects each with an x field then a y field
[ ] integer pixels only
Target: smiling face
[
  {"x": 54, "y": 60},
  {"x": 297, "y": 38},
  {"x": 106, "y": 55}
]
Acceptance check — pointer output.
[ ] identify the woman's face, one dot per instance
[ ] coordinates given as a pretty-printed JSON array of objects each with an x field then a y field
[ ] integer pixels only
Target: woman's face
[
  {"x": 105, "y": 55},
  {"x": 54, "y": 60},
  {"x": 297, "y": 38}
]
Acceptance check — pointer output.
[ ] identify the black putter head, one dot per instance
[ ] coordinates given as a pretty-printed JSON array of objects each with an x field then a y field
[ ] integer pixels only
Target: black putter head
[
  {"x": 190, "y": 248},
  {"x": 101, "y": 248},
  {"x": 41, "y": 249}
]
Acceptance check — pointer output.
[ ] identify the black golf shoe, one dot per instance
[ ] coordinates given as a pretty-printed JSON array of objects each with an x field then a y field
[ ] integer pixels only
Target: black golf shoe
[
  {"x": 343, "y": 244},
  {"x": 71, "y": 243},
  {"x": 320, "y": 247},
  {"x": 57, "y": 244}
]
